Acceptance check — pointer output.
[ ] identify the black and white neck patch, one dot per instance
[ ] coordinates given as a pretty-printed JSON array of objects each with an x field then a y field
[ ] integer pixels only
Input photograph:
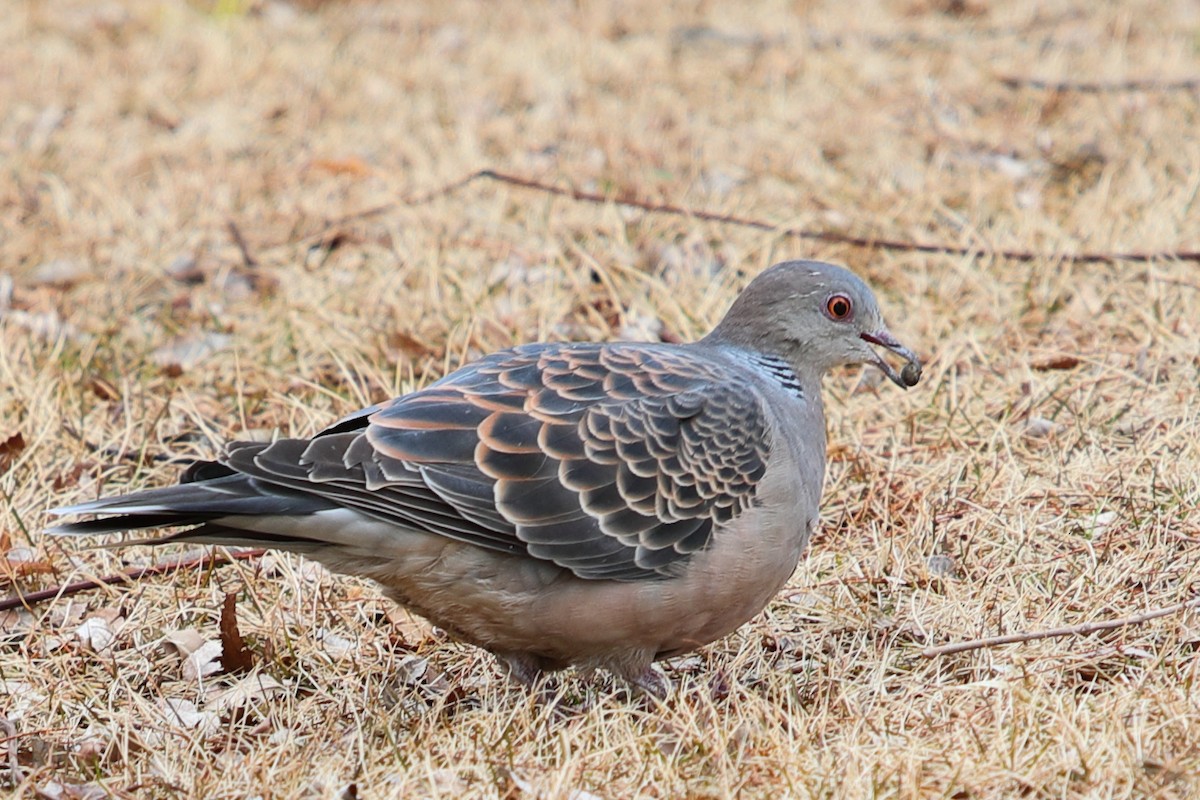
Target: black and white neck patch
[{"x": 782, "y": 372}]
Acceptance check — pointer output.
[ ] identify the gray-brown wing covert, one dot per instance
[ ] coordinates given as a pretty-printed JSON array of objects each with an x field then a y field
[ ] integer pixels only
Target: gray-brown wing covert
[{"x": 612, "y": 461}]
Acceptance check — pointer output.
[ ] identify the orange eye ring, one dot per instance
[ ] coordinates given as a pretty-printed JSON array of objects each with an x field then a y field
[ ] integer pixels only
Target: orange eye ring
[{"x": 839, "y": 308}]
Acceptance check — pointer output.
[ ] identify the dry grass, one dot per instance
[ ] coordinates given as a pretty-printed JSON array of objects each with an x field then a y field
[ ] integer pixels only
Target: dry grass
[{"x": 132, "y": 133}]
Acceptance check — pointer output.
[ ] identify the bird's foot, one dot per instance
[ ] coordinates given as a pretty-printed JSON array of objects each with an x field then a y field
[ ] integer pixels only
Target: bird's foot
[
  {"x": 520, "y": 668},
  {"x": 652, "y": 682}
]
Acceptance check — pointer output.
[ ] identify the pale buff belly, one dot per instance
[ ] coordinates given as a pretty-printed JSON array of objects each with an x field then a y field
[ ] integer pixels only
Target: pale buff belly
[{"x": 514, "y": 604}]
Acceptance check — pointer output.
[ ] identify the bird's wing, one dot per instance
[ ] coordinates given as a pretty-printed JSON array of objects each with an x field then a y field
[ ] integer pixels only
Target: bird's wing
[{"x": 612, "y": 461}]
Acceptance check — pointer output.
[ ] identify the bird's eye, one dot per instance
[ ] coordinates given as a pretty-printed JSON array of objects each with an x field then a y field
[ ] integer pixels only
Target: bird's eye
[{"x": 839, "y": 307}]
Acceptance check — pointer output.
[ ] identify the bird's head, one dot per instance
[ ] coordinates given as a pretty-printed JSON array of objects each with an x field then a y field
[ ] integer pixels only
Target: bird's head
[{"x": 817, "y": 316}]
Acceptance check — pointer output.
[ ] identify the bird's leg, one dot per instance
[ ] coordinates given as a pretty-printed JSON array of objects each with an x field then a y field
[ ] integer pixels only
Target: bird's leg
[
  {"x": 651, "y": 681},
  {"x": 637, "y": 668},
  {"x": 521, "y": 667}
]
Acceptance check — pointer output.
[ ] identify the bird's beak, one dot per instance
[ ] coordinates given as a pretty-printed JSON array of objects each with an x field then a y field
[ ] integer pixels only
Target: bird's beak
[{"x": 910, "y": 373}]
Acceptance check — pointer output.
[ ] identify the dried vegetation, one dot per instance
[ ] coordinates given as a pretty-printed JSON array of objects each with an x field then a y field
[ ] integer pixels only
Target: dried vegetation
[{"x": 177, "y": 269}]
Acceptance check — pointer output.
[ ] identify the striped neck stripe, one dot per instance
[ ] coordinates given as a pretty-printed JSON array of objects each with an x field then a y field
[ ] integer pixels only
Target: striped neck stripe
[{"x": 782, "y": 372}]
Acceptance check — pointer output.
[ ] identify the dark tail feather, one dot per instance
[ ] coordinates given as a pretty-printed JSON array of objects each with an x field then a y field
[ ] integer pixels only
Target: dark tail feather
[
  {"x": 127, "y": 522},
  {"x": 210, "y": 492},
  {"x": 224, "y": 535}
]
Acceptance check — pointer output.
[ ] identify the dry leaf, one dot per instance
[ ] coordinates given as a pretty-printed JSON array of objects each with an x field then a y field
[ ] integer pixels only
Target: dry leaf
[
  {"x": 235, "y": 657},
  {"x": 15, "y": 623},
  {"x": 184, "y": 352},
  {"x": 1040, "y": 428},
  {"x": 19, "y": 697},
  {"x": 98, "y": 632},
  {"x": 61, "y": 273},
  {"x": 580, "y": 794},
  {"x": 10, "y": 448},
  {"x": 1057, "y": 362},
  {"x": 20, "y": 562},
  {"x": 941, "y": 565},
  {"x": 103, "y": 388},
  {"x": 334, "y": 646},
  {"x": 185, "y": 270},
  {"x": 185, "y": 714},
  {"x": 407, "y": 344},
  {"x": 204, "y": 661},
  {"x": 73, "y": 791},
  {"x": 71, "y": 476},
  {"x": 47, "y": 326},
  {"x": 640, "y": 328},
  {"x": 249, "y": 689},
  {"x": 351, "y": 165},
  {"x": 184, "y": 642}
]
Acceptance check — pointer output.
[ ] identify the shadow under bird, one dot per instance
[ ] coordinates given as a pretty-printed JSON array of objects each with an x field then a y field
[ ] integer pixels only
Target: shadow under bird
[{"x": 596, "y": 505}]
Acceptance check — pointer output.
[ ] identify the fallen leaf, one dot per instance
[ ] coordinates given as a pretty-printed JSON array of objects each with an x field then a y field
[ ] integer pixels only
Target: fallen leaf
[
  {"x": 1057, "y": 362},
  {"x": 46, "y": 326},
  {"x": 20, "y": 562},
  {"x": 235, "y": 657},
  {"x": 103, "y": 388},
  {"x": 10, "y": 448},
  {"x": 61, "y": 273},
  {"x": 184, "y": 642},
  {"x": 941, "y": 565},
  {"x": 184, "y": 269},
  {"x": 580, "y": 794},
  {"x": 334, "y": 646},
  {"x": 14, "y": 624},
  {"x": 204, "y": 661},
  {"x": 91, "y": 750},
  {"x": 640, "y": 328},
  {"x": 407, "y": 344},
  {"x": 184, "y": 713},
  {"x": 20, "y": 697},
  {"x": 1098, "y": 524},
  {"x": 350, "y": 165},
  {"x": 410, "y": 670},
  {"x": 415, "y": 671},
  {"x": 72, "y": 791},
  {"x": 448, "y": 783},
  {"x": 97, "y": 633},
  {"x": 249, "y": 689},
  {"x": 184, "y": 352},
  {"x": 71, "y": 476},
  {"x": 1040, "y": 428}
]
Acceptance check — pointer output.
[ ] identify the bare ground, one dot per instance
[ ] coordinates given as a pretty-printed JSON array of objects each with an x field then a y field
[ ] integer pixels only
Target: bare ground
[{"x": 1043, "y": 474}]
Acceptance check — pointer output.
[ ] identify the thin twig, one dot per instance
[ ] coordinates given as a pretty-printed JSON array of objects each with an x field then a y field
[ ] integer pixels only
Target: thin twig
[
  {"x": 127, "y": 576},
  {"x": 14, "y": 765},
  {"x": 1071, "y": 630},
  {"x": 1101, "y": 87},
  {"x": 248, "y": 259},
  {"x": 829, "y": 237}
]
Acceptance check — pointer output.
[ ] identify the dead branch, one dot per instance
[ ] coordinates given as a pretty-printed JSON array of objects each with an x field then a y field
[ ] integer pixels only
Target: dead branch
[
  {"x": 1101, "y": 87},
  {"x": 829, "y": 237},
  {"x": 127, "y": 576},
  {"x": 1071, "y": 630},
  {"x": 235, "y": 233}
]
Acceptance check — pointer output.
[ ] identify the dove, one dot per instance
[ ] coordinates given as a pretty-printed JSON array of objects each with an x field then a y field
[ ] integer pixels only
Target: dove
[{"x": 596, "y": 505}]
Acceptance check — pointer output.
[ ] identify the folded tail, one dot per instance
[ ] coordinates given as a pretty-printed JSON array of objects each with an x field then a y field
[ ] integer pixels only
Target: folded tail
[{"x": 215, "y": 504}]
